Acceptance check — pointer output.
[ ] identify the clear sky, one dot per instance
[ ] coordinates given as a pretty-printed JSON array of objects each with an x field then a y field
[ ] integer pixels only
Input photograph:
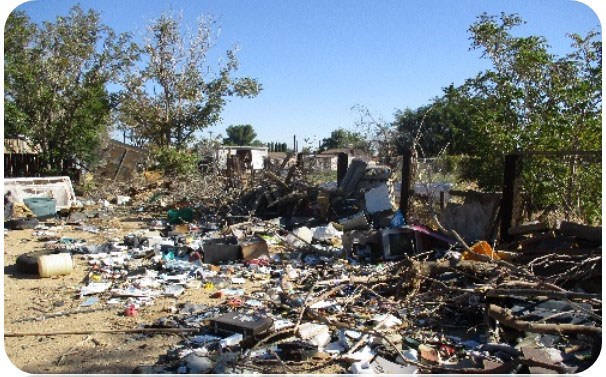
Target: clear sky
[{"x": 318, "y": 58}]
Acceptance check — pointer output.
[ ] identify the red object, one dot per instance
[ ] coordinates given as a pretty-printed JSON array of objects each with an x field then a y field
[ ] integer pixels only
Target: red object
[
  {"x": 234, "y": 302},
  {"x": 217, "y": 294},
  {"x": 131, "y": 311},
  {"x": 259, "y": 262},
  {"x": 446, "y": 349},
  {"x": 195, "y": 256}
]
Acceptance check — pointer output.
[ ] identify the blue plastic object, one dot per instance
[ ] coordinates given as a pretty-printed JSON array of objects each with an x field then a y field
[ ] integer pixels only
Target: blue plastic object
[
  {"x": 41, "y": 207},
  {"x": 397, "y": 220}
]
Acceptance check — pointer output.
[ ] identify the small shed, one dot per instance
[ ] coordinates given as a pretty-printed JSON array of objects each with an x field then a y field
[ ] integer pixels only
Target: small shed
[{"x": 120, "y": 160}]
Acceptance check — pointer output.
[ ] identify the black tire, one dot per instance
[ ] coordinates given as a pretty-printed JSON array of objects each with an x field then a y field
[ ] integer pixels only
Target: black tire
[
  {"x": 28, "y": 262},
  {"x": 21, "y": 224}
]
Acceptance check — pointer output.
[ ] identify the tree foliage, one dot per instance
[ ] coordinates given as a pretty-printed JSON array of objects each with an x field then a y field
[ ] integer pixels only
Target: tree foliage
[
  {"x": 439, "y": 126},
  {"x": 186, "y": 95},
  {"x": 55, "y": 77},
  {"x": 530, "y": 99},
  {"x": 342, "y": 138},
  {"x": 173, "y": 161},
  {"x": 242, "y": 134}
]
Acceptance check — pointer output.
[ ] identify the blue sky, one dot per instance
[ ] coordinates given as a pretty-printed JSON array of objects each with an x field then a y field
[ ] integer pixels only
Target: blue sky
[{"x": 317, "y": 58}]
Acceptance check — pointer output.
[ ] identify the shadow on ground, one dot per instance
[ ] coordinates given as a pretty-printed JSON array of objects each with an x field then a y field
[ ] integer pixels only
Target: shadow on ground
[{"x": 13, "y": 271}]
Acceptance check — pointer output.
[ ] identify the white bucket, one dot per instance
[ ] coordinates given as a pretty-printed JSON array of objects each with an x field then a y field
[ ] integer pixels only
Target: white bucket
[{"x": 54, "y": 265}]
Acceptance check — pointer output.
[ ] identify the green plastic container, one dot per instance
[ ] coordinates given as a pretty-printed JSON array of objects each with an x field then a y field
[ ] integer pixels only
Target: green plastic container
[
  {"x": 42, "y": 207},
  {"x": 177, "y": 216}
]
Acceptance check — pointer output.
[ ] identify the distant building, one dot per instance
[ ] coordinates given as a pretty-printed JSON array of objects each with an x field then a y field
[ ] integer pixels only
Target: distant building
[
  {"x": 252, "y": 157},
  {"x": 320, "y": 162},
  {"x": 327, "y": 160}
]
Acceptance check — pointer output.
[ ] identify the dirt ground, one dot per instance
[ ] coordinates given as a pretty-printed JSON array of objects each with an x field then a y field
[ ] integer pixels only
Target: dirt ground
[{"x": 29, "y": 295}]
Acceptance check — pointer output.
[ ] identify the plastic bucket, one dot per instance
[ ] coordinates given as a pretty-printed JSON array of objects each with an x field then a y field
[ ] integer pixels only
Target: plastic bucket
[
  {"x": 41, "y": 207},
  {"x": 55, "y": 265}
]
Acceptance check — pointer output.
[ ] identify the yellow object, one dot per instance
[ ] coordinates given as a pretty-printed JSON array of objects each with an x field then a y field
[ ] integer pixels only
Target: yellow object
[
  {"x": 96, "y": 277},
  {"x": 483, "y": 248},
  {"x": 152, "y": 176},
  {"x": 209, "y": 286},
  {"x": 181, "y": 228},
  {"x": 21, "y": 210}
]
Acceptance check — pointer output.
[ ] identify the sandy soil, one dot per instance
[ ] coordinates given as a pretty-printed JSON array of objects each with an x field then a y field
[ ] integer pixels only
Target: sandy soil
[{"x": 29, "y": 296}]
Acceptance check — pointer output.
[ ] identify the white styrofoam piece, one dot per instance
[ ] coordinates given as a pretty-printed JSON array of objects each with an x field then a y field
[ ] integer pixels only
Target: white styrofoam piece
[
  {"x": 59, "y": 188},
  {"x": 378, "y": 199}
]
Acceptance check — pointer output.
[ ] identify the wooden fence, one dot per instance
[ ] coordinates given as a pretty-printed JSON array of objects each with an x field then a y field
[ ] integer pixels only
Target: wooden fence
[{"x": 31, "y": 165}]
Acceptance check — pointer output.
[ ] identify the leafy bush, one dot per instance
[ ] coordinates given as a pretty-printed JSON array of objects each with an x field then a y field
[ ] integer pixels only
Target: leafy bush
[{"x": 173, "y": 161}]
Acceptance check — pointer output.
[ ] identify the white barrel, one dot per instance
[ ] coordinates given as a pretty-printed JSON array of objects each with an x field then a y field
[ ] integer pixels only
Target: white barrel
[{"x": 55, "y": 264}]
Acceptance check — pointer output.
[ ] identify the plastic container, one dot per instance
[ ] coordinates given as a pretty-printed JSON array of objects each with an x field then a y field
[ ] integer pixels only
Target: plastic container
[
  {"x": 177, "y": 216},
  {"x": 55, "y": 265},
  {"x": 42, "y": 207}
]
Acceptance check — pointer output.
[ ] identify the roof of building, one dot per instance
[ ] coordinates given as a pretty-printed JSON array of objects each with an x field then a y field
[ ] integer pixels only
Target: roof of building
[
  {"x": 20, "y": 146},
  {"x": 277, "y": 154},
  {"x": 243, "y": 147},
  {"x": 349, "y": 151}
]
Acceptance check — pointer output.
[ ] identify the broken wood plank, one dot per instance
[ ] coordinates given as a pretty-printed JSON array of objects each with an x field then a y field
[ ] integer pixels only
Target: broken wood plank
[
  {"x": 584, "y": 232},
  {"x": 529, "y": 228},
  {"x": 540, "y": 293},
  {"x": 353, "y": 175},
  {"x": 528, "y": 242},
  {"x": 506, "y": 318},
  {"x": 276, "y": 179}
]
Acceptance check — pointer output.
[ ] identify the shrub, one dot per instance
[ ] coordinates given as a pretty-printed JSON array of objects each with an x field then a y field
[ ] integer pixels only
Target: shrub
[{"x": 173, "y": 161}]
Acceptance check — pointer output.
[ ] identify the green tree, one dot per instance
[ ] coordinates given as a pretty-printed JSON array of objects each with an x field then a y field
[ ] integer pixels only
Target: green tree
[
  {"x": 242, "y": 134},
  {"x": 529, "y": 99},
  {"x": 440, "y": 126},
  {"x": 55, "y": 77},
  {"x": 342, "y": 138},
  {"x": 18, "y": 71},
  {"x": 534, "y": 100},
  {"x": 186, "y": 96}
]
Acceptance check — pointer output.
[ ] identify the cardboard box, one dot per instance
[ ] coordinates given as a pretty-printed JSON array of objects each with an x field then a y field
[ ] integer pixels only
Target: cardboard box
[{"x": 254, "y": 248}]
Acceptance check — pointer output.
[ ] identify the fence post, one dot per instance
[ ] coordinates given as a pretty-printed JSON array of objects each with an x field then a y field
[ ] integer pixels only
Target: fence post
[
  {"x": 511, "y": 201},
  {"x": 342, "y": 163},
  {"x": 406, "y": 187}
]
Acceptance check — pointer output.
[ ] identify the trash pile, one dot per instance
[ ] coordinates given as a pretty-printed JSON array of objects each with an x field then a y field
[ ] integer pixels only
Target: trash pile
[
  {"x": 306, "y": 279},
  {"x": 444, "y": 312}
]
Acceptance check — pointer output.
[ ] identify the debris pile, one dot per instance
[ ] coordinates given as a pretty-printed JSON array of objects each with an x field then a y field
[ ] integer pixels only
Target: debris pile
[{"x": 305, "y": 279}]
